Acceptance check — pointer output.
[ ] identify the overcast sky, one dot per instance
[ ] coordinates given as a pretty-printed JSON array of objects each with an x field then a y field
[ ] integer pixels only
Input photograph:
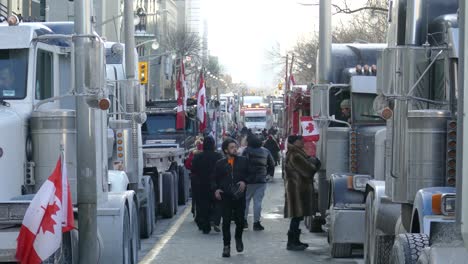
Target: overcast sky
[{"x": 240, "y": 32}]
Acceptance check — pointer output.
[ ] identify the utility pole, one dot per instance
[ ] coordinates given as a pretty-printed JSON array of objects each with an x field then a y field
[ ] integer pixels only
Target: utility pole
[
  {"x": 87, "y": 120},
  {"x": 324, "y": 67}
]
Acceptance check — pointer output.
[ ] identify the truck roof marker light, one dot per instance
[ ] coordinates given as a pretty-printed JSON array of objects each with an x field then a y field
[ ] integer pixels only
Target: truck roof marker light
[
  {"x": 366, "y": 69},
  {"x": 13, "y": 20},
  {"x": 436, "y": 203},
  {"x": 374, "y": 69},
  {"x": 358, "y": 69}
]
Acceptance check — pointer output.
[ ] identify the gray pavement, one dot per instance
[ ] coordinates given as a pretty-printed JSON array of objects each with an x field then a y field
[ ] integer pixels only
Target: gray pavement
[{"x": 178, "y": 240}]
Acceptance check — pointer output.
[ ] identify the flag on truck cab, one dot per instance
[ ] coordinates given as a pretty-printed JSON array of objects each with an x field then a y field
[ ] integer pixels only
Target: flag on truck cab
[
  {"x": 180, "y": 89},
  {"x": 310, "y": 130},
  {"x": 49, "y": 214},
  {"x": 201, "y": 104}
]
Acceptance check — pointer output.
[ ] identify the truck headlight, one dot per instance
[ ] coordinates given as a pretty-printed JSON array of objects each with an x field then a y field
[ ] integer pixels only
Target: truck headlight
[
  {"x": 443, "y": 203},
  {"x": 448, "y": 204},
  {"x": 359, "y": 182}
]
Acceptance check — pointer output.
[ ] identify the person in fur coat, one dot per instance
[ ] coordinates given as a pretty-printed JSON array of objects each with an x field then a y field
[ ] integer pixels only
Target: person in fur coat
[{"x": 299, "y": 173}]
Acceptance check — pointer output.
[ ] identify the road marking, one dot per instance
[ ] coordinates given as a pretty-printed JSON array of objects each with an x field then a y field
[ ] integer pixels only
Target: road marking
[{"x": 154, "y": 252}]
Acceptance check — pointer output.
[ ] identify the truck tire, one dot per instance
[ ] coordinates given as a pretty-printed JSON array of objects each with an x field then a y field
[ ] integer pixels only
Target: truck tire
[
  {"x": 154, "y": 175},
  {"x": 341, "y": 250},
  {"x": 135, "y": 235},
  {"x": 408, "y": 247},
  {"x": 383, "y": 249},
  {"x": 127, "y": 238},
  {"x": 167, "y": 205},
  {"x": 183, "y": 186},
  {"x": 147, "y": 212},
  {"x": 176, "y": 189}
]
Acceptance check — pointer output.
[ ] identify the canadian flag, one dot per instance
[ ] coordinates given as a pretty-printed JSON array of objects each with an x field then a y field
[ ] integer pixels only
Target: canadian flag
[
  {"x": 291, "y": 81},
  {"x": 49, "y": 214},
  {"x": 180, "y": 88},
  {"x": 201, "y": 104},
  {"x": 309, "y": 129}
]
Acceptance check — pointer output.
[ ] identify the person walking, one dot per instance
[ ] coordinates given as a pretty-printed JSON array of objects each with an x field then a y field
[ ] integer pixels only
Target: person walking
[
  {"x": 260, "y": 165},
  {"x": 299, "y": 173},
  {"x": 230, "y": 183},
  {"x": 204, "y": 173},
  {"x": 272, "y": 145}
]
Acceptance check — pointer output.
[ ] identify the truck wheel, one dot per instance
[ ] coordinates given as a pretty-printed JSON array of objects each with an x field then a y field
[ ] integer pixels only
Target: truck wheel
[
  {"x": 147, "y": 212},
  {"x": 182, "y": 183},
  {"x": 383, "y": 247},
  {"x": 408, "y": 247},
  {"x": 167, "y": 206},
  {"x": 127, "y": 238},
  {"x": 135, "y": 236},
  {"x": 341, "y": 250},
  {"x": 175, "y": 175}
]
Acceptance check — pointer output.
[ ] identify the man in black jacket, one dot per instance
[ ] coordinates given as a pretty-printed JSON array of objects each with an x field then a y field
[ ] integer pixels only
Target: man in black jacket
[
  {"x": 230, "y": 183},
  {"x": 203, "y": 177},
  {"x": 260, "y": 165}
]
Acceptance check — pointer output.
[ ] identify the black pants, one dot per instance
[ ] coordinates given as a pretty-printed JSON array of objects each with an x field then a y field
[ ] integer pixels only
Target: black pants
[
  {"x": 232, "y": 210},
  {"x": 216, "y": 212},
  {"x": 294, "y": 225}
]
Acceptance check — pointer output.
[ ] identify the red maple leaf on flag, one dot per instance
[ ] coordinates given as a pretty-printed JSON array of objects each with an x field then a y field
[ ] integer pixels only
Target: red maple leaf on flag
[
  {"x": 202, "y": 100},
  {"x": 310, "y": 128},
  {"x": 48, "y": 222}
]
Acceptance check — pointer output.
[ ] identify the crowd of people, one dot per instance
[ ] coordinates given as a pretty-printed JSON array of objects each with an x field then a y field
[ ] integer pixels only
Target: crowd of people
[{"x": 224, "y": 183}]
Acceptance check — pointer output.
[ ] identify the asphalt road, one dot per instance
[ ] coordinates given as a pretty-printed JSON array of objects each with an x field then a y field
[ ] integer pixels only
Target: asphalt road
[{"x": 178, "y": 240}]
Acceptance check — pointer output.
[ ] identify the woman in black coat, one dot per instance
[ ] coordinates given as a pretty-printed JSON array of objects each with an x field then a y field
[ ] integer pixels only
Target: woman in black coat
[{"x": 203, "y": 170}]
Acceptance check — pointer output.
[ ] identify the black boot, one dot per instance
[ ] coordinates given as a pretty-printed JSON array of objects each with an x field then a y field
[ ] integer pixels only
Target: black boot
[
  {"x": 257, "y": 226},
  {"x": 226, "y": 251},
  {"x": 292, "y": 243},
  {"x": 239, "y": 245},
  {"x": 298, "y": 234}
]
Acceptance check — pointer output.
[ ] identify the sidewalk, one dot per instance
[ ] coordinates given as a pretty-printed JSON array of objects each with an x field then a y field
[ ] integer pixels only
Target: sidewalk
[{"x": 188, "y": 245}]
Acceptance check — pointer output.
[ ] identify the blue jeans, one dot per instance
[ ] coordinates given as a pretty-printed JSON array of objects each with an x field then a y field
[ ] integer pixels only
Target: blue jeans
[{"x": 255, "y": 191}]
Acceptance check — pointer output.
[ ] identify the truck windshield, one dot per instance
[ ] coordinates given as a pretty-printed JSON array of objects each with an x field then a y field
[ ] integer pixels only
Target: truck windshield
[
  {"x": 255, "y": 119},
  {"x": 158, "y": 124},
  {"x": 363, "y": 108},
  {"x": 13, "y": 72}
]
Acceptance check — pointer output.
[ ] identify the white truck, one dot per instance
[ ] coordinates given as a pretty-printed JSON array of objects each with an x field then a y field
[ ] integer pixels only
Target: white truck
[
  {"x": 256, "y": 119},
  {"x": 39, "y": 116}
]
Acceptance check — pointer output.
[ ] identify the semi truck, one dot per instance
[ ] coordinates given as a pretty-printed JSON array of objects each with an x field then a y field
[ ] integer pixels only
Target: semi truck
[
  {"x": 353, "y": 142},
  {"x": 412, "y": 205},
  {"x": 40, "y": 116}
]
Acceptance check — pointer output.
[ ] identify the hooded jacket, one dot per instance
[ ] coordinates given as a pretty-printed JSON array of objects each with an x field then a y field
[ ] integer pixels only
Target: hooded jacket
[{"x": 260, "y": 161}]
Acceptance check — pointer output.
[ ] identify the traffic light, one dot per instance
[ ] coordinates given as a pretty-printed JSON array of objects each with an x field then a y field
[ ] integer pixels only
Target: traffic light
[
  {"x": 280, "y": 86},
  {"x": 143, "y": 72}
]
